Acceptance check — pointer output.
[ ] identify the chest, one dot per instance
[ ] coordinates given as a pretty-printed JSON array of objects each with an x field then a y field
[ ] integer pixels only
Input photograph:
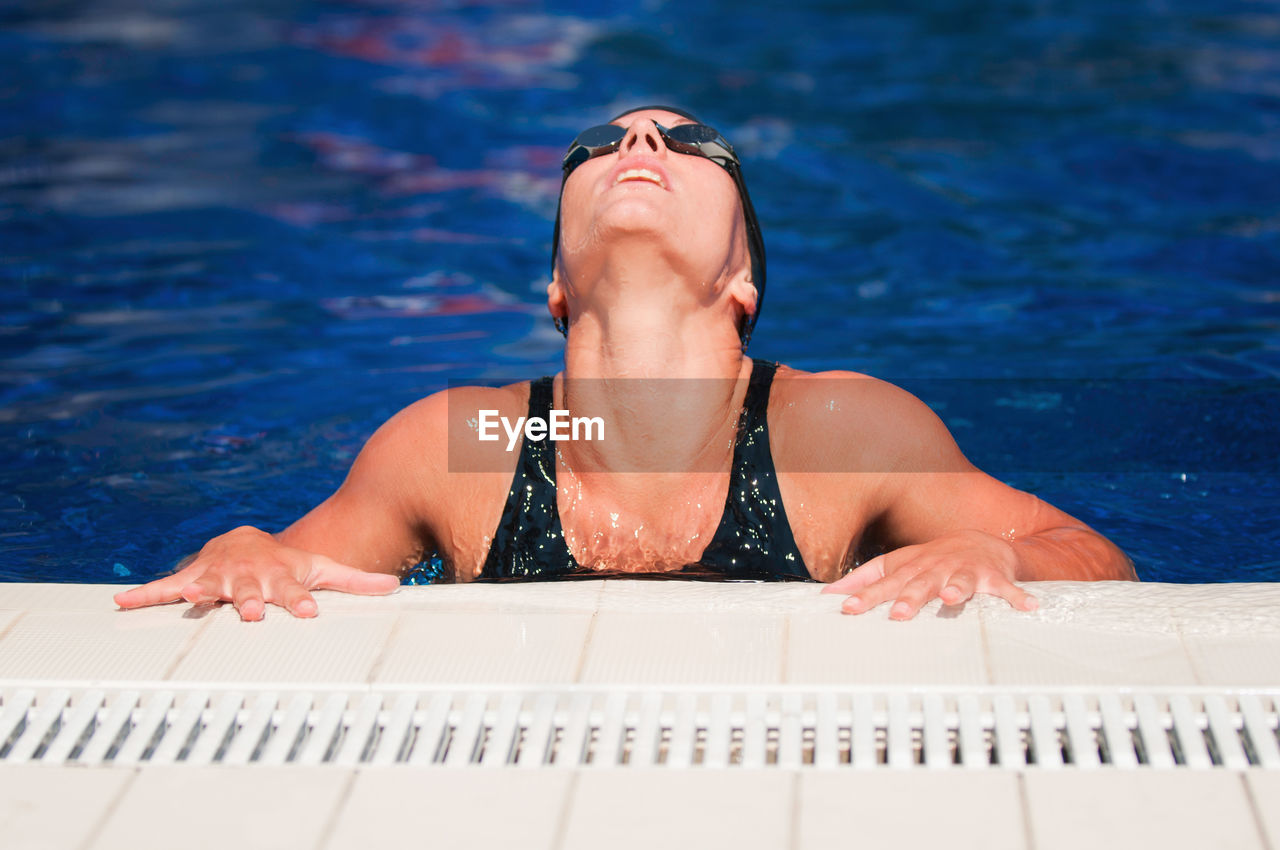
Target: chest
[{"x": 644, "y": 523}]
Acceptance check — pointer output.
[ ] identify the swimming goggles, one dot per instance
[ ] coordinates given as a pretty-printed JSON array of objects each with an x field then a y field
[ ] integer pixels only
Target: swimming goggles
[{"x": 695, "y": 139}]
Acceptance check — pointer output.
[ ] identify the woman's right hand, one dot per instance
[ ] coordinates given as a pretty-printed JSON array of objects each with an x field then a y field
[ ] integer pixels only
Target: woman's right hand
[{"x": 250, "y": 568}]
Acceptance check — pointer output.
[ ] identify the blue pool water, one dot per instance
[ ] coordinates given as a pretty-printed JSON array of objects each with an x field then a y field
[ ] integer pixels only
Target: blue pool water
[{"x": 236, "y": 236}]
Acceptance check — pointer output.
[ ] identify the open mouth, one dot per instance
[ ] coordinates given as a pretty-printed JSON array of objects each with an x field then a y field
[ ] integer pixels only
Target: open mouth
[{"x": 640, "y": 174}]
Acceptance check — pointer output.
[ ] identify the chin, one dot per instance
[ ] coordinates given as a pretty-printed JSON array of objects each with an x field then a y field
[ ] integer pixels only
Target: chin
[{"x": 633, "y": 219}]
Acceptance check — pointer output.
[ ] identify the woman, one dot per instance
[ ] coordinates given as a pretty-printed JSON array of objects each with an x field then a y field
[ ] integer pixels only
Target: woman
[{"x": 710, "y": 462}]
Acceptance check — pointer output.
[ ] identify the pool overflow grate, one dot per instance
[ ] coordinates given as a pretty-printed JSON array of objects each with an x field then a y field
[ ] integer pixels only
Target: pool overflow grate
[{"x": 675, "y": 728}]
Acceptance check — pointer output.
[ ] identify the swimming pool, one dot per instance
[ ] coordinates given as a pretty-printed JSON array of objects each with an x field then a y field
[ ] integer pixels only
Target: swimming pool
[{"x": 235, "y": 237}]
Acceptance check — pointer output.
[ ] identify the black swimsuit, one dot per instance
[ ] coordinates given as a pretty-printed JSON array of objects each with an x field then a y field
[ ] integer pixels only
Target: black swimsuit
[{"x": 753, "y": 540}]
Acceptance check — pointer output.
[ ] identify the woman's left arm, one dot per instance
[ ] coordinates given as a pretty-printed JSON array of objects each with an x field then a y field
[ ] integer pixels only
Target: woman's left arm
[
  {"x": 957, "y": 564},
  {"x": 955, "y": 531}
]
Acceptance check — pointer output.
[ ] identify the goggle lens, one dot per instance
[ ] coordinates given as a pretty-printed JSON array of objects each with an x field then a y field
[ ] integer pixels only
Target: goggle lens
[{"x": 695, "y": 139}]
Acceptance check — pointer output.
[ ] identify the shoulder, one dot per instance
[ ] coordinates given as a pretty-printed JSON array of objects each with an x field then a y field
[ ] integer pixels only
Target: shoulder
[
  {"x": 456, "y": 406},
  {"x": 439, "y": 432},
  {"x": 856, "y": 423}
]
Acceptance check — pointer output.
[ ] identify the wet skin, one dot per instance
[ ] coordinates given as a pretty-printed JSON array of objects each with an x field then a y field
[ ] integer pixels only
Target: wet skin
[{"x": 653, "y": 278}]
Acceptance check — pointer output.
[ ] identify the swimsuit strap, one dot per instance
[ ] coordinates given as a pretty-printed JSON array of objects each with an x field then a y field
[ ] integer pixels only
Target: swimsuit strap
[
  {"x": 754, "y": 539},
  {"x": 529, "y": 542}
]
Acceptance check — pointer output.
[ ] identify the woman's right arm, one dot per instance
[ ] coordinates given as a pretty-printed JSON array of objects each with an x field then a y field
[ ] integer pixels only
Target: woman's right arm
[{"x": 356, "y": 541}]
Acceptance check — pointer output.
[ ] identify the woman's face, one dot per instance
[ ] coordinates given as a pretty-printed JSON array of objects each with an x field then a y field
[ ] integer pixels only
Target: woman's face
[{"x": 682, "y": 205}]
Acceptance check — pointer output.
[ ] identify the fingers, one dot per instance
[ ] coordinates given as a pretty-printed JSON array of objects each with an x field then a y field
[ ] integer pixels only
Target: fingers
[
  {"x": 207, "y": 588},
  {"x": 911, "y": 589},
  {"x": 250, "y": 595},
  {"x": 1014, "y": 595},
  {"x": 158, "y": 592},
  {"x": 860, "y": 576},
  {"x": 295, "y": 599},
  {"x": 914, "y": 594},
  {"x": 246, "y": 595},
  {"x": 330, "y": 575},
  {"x": 873, "y": 595},
  {"x": 251, "y": 587},
  {"x": 252, "y": 569},
  {"x": 162, "y": 590},
  {"x": 910, "y": 595},
  {"x": 915, "y": 582},
  {"x": 959, "y": 587}
]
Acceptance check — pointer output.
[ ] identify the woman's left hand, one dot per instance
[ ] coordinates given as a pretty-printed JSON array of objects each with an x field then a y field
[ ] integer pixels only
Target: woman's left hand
[{"x": 952, "y": 568}]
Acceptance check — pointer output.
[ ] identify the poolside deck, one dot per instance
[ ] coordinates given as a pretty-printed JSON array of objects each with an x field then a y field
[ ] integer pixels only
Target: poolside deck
[{"x": 712, "y": 715}]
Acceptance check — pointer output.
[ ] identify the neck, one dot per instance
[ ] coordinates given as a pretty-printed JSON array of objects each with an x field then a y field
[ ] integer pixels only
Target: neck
[
  {"x": 654, "y": 352},
  {"x": 667, "y": 378}
]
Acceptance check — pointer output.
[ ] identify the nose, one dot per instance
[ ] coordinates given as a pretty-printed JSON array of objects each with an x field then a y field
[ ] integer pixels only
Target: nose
[{"x": 642, "y": 137}]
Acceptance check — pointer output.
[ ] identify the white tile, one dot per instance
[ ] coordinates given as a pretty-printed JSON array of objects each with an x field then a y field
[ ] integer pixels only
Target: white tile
[
  {"x": 1129, "y": 607},
  {"x": 1236, "y": 660},
  {"x": 1031, "y": 652},
  {"x": 102, "y": 645},
  {"x": 647, "y": 808},
  {"x": 956, "y": 809},
  {"x": 484, "y": 647},
  {"x": 698, "y": 597},
  {"x": 398, "y": 807},
  {"x": 1104, "y": 605},
  {"x": 1242, "y": 608},
  {"x": 1264, "y": 788},
  {"x": 941, "y": 645},
  {"x": 1168, "y": 809},
  {"x": 59, "y": 597},
  {"x": 42, "y": 806},
  {"x": 716, "y": 648},
  {"x": 218, "y": 808},
  {"x": 505, "y": 597},
  {"x": 283, "y": 648}
]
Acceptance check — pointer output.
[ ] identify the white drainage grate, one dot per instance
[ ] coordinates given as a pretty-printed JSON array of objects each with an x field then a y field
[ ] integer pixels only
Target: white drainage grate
[{"x": 676, "y": 727}]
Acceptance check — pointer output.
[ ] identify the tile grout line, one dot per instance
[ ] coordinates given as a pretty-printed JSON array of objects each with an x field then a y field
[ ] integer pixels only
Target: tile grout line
[
  {"x": 1028, "y": 833},
  {"x": 91, "y": 838},
  {"x": 326, "y": 834},
  {"x": 985, "y": 638},
  {"x": 793, "y": 834},
  {"x": 586, "y": 639},
  {"x": 1186, "y": 653},
  {"x": 566, "y": 809},
  {"x": 189, "y": 644},
  {"x": 785, "y": 645},
  {"x": 9, "y": 627},
  {"x": 380, "y": 658},
  {"x": 1254, "y": 809},
  {"x": 586, "y": 648}
]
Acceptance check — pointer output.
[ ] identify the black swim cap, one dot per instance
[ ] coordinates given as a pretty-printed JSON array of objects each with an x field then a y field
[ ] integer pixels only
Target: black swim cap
[{"x": 755, "y": 240}]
